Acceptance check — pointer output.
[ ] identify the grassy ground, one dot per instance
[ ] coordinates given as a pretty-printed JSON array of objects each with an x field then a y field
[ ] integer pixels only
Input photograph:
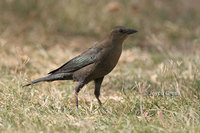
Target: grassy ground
[{"x": 154, "y": 88}]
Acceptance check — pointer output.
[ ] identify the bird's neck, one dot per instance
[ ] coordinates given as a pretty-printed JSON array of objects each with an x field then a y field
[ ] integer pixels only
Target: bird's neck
[{"x": 114, "y": 42}]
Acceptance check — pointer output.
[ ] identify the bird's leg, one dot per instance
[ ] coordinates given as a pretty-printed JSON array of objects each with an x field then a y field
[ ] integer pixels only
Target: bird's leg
[
  {"x": 77, "y": 89},
  {"x": 97, "y": 88}
]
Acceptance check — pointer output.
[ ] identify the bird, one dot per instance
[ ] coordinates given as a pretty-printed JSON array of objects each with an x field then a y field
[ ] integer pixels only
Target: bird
[{"x": 93, "y": 64}]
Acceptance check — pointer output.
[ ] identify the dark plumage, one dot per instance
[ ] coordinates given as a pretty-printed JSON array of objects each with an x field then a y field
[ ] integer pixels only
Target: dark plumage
[{"x": 93, "y": 64}]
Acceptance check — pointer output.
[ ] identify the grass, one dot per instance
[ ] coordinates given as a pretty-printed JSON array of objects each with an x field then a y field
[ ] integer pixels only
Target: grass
[{"x": 154, "y": 88}]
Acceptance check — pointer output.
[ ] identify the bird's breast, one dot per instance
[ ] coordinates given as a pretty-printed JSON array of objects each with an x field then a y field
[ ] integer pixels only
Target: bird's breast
[{"x": 108, "y": 60}]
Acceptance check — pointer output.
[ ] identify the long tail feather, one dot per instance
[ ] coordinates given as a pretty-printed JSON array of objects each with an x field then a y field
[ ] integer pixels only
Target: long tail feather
[{"x": 59, "y": 76}]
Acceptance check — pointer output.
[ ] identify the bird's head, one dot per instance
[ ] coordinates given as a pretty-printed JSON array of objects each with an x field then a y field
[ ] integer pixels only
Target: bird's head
[{"x": 120, "y": 33}]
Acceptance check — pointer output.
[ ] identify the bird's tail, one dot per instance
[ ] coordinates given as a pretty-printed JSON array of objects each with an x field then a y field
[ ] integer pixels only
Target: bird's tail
[{"x": 59, "y": 76}]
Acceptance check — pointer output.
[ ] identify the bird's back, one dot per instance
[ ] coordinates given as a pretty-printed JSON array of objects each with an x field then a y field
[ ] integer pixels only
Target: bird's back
[{"x": 86, "y": 58}]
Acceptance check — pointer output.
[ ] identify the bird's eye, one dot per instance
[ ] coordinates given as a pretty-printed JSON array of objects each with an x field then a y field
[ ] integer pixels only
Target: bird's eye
[{"x": 121, "y": 31}]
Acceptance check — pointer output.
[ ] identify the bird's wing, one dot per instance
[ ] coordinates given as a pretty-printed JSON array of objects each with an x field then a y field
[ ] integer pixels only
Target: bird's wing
[{"x": 86, "y": 58}]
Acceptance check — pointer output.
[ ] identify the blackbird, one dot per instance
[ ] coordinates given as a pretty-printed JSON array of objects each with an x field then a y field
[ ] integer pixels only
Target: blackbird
[{"x": 93, "y": 64}]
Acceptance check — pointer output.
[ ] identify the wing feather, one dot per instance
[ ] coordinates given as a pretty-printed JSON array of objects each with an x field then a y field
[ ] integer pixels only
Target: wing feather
[{"x": 86, "y": 58}]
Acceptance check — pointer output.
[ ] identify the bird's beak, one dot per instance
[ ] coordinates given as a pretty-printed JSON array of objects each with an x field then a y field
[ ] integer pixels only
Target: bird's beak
[{"x": 131, "y": 31}]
